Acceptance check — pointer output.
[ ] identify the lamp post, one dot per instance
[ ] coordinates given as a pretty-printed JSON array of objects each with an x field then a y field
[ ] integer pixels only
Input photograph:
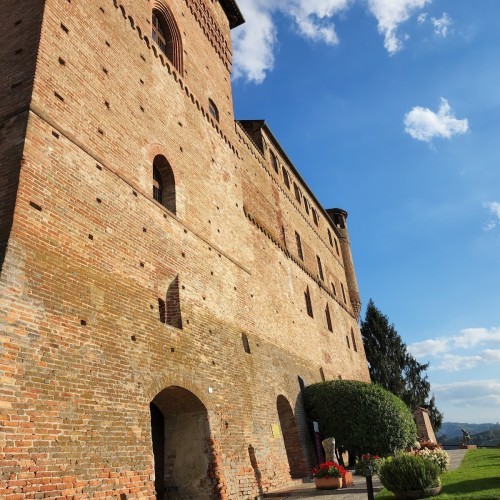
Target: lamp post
[{"x": 369, "y": 483}]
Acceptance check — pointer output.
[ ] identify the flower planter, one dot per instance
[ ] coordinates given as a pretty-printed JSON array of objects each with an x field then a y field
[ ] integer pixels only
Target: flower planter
[
  {"x": 330, "y": 483},
  {"x": 431, "y": 492},
  {"x": 347, "y": 480}
]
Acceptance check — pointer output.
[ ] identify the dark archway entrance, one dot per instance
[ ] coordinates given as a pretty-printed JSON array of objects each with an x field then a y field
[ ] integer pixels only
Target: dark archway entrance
[
  {"x": 181, "y": 445},
  {"x": 296, "y": 462}
]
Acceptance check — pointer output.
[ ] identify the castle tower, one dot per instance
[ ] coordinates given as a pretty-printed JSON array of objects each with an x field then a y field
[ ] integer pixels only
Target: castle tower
[
  {"x": 166, "y": 275},
  {"x": 339, "y": 218}
]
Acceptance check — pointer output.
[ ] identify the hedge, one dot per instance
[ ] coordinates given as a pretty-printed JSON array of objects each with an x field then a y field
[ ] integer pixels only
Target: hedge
[{"x": 363, "y": 418}]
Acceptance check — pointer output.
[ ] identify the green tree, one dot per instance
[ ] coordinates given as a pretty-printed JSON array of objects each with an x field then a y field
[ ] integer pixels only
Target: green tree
[
  {"x": 363, "y": 418},
  {"x": 393, "y": 367}
]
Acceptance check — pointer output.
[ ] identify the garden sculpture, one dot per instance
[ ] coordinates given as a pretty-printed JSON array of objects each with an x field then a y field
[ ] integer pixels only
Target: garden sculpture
[
  {"x": 465, "y": 437},
  {"x": 329, "y": 447}
]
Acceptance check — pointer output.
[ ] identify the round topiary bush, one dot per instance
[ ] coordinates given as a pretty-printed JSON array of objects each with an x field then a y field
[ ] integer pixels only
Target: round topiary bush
[
  {"x": 409, "y": 473},
  {"x": 363, "y": 418}
]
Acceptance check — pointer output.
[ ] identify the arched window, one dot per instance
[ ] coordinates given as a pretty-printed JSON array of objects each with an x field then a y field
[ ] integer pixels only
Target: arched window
[
  {"x": 328, "y": 319},
  {"x": 343, "y": 293},
  {"x": 160, "y": 37},
  {"x": 170, "y": 308},
  {"x": 307, "y": 296},
  {"x": 330, "y": 237},
  {"x": 166, "y": 34},
  {"x": 212, "y": 108},
  {"x": 353, "y": 341},
  {"x": 298, "y": 195},
  {"x": 164, "y": 183},
  {"x": 286, "y": 178},
  {"x": 299, "y": 246},
  {"x": 157, "y": 185},
  {"x": 306, "y": 206},
  {"x": 315, "y": 216},
  {"x": 274, "y": 162}
]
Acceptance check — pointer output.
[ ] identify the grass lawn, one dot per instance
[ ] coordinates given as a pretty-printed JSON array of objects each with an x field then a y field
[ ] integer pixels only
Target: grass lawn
[{"x": 477, "y": 477}]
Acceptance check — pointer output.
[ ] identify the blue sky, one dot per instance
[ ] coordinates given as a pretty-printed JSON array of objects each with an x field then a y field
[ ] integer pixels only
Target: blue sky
[{"x": 390, "y": 109}]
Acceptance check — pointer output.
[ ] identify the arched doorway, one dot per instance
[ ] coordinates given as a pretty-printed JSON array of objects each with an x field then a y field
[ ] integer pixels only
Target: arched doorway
[
  {"x": 296, "y": 462},
  {"x": 181, "y": 447}
]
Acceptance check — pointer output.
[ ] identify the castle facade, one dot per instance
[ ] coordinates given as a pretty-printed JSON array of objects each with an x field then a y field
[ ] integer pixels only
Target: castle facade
[{"x": 168, "y": 281}]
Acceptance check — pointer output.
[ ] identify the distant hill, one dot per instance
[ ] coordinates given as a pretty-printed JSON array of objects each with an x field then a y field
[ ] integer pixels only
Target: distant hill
[{"x": 485, "y": 434}]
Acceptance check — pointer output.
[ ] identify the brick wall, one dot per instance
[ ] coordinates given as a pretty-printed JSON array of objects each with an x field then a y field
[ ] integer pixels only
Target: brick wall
[
  {"x": 83, "y": 346},
  {"x": 19, "y": 39}
]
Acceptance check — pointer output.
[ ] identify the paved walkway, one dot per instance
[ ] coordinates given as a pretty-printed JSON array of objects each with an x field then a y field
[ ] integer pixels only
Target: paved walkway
[
  {"x": 308, "y": 490},
  {"x": 356, "y": 492},
  {"x": 456, "y": 457}
]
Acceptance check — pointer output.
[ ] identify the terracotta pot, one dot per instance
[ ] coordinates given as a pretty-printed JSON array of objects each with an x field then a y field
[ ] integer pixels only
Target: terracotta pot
[
  {"x": 331, "y": 483},
  {"x": 431, "y": 492},
  {"x": 347, "y": 480}
]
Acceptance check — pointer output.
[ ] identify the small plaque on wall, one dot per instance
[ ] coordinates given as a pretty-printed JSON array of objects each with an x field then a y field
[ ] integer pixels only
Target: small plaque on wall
[{"x": 276, "y": 431}]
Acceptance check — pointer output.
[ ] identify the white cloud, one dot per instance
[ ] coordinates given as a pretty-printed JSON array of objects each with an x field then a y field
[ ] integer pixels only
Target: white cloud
[
  {"x": 494, "y": 208},
  {"x": 480, "y": 393},
  {"x": 390, "y": 14},
  {"x": 491, "y": 224},
  {"x": 254, "y": 42},
  {"x": 430, "y": 347},
  {"x": 454, "y": 363},
  {"x": 491, "y": 355},
  {"x": 441, "y": 24},
  {"x": 472, "y": 337},
  {"x": 441, "y": 348},
  {"x": 314, "y": 17},
  {"x": 424, "y": 124},
  {"x": 422, "y": 18}
]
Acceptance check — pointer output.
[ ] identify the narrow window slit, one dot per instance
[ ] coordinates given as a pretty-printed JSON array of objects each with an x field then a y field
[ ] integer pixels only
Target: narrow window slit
[
  {"x": 246, "y": 344},
  {"x": 36, "y": 206}
]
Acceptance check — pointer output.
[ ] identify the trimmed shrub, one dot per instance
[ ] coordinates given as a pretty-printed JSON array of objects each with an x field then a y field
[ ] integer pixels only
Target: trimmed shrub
[
  {"x": 363, "y": 418},
  {"x": 373, "y": 461},
  {"x": 409, "y": 473}
]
